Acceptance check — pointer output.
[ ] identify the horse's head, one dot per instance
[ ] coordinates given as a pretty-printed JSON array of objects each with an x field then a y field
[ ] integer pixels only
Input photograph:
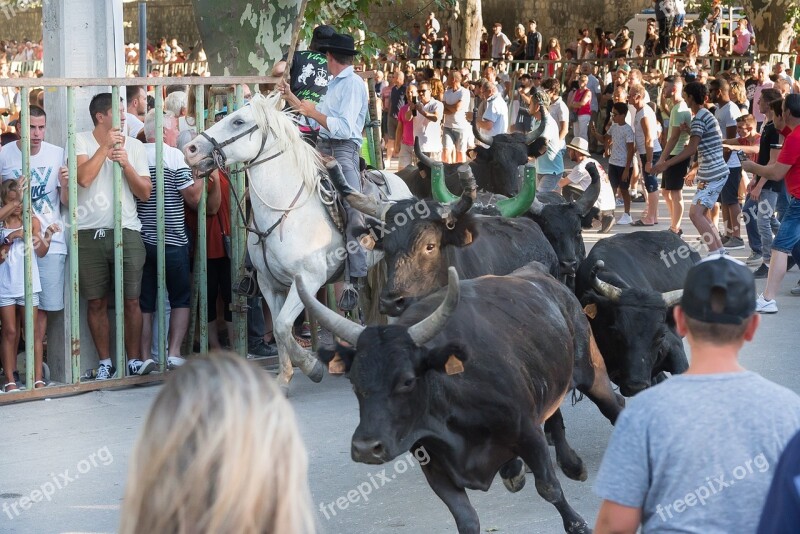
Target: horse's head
[{"x": 240, "y": 137}]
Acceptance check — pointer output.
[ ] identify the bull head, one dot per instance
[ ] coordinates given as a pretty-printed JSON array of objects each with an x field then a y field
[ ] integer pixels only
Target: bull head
[
  {"x": 363, "y": 203},
  {"x": 420, "y": 333},
  {"x": 510, "y": 207},
  {"x": 613, "y": 293}
]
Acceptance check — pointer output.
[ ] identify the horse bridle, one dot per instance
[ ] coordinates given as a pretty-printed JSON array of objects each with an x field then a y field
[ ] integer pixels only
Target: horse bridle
[{"x": 219, "y": 156}]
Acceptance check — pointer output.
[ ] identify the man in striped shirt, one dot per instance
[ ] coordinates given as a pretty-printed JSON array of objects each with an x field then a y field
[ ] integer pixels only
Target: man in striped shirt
[
  {"x": 706, "y": 141},
  {"x": 179, "y": 186}
]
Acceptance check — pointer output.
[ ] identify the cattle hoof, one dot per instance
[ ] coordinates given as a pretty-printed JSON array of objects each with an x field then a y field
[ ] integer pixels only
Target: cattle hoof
[
  {"x": 516, "y": 483},
  {"x": 575, "y": 470},
  {"x": 317, "y": 372},
  {"x": 577, "y": 527}
]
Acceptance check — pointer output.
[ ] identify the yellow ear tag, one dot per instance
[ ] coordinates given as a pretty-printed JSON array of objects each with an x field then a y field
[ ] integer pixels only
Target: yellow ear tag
[
  {"x": 336, "y": 365},
  {"x": 590, "y": 310},
  {"x": 453, "y": 366},
  {"x": 367, "y": 241}
]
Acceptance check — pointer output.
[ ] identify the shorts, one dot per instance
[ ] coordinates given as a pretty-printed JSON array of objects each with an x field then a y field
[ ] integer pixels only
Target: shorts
[
  {"x": 673, "y": 178},
  {"x": 615, "y": 177},
  {"x": 730, "y": 193},
  {"x": 391, "y": 127},
  {"x": 707, "y": 196},
  {"x": 789, "y": 232},
  {"x": 18, "y": 301},
  {"x": 546, "y": 183},
  {"x": 455, "y": 138},
  {"x": 96, "y": 256},
  {"x": 218, "y": 280},
  {"x": 650, "y": 180},
  {"x": 51, "y": 275},
  {"x": 679, "y": 20},
  {"x": 177, "y": 277},
  {"x": 405, "y": 157}
]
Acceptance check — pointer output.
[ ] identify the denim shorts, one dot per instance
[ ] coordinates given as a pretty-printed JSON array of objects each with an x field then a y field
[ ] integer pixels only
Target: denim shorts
[
  {"x": 547, "y": 182},
  {"x": 455, "y": 138},
  {"x": 177, "y": 277},
  {"x": 710, "y": 193},
  {"x": 789, "y": 232},
  {"x": 650, "y": 180}
]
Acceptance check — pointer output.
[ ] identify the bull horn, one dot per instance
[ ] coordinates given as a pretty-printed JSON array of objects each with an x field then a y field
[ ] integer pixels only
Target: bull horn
[
  {"x": 338, "y": 325},
  {"x": 485, "y": 139},
  {"x": 468, "y": 192},
  {"x": 604, "y": 288},
  {"x": 531, "y": 136},
  {"x": 537, "y": 206},
  {"x": 671, "y": 298},
  {"x": 439, "y": 189},
  {"x": 590, "y": 196},
  {"x": 425, "y": 160},
  {"x": 366, "y": 205},
  {"x": 428, "y": 328},
  {"x": 519, "y": 204}
]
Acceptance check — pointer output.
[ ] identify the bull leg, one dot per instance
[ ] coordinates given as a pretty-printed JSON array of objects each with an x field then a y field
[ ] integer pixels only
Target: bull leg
[
  {"x": 533, "y": 449},
  {"x": 454, "y": 498},
  {"x": 591, "y": 378},
  {"x": 569, "y": 462}
]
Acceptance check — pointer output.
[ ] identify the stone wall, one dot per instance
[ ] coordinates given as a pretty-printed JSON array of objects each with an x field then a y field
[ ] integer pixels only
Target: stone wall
[{"x": 165, "y": 18}]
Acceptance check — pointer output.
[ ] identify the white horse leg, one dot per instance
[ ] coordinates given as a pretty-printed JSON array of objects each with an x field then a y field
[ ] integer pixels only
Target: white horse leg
[
  {"x": 275, "y": 300},
  {"x": 283, "y": 325}
]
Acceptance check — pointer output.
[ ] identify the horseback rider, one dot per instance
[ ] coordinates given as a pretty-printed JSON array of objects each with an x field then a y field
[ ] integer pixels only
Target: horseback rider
[{"x": 340, "y": 116}]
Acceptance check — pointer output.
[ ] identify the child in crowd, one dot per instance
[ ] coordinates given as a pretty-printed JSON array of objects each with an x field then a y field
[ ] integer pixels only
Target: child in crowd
[
  {"x": 620, "y": 136},
  {"x": 12, "y": 281}
]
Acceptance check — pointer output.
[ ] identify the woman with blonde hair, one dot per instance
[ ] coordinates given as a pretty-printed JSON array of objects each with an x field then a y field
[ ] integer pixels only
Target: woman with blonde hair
[
  {"x": 437, "y": 89},
  {"x": 219, "y": 453}
]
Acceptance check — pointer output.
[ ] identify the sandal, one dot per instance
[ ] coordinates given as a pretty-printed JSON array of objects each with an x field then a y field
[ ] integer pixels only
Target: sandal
[
  {"x": 641, "y": 223},
  {"x": 11, "y": 385},
  {"x": 37, "y": 386}
]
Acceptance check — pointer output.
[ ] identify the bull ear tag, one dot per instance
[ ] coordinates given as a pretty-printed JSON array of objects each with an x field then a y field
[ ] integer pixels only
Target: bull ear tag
[
  {"x": 453, "y": 366},
  {"x": 590, "y": 310},
  {"x": 367, "y": 241}
]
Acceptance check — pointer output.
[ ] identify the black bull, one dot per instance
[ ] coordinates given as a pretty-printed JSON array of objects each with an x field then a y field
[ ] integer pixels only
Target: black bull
[
  {"x": 472, "y": 382},
  {"x": 629, "y": 283}
]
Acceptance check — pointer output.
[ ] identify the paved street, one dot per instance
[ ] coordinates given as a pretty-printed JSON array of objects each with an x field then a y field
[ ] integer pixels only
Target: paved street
[{"x": 89, "y": 438}]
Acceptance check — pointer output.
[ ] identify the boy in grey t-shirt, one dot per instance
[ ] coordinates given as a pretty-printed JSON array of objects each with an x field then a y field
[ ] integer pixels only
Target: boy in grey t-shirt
[{"x": 697, "y": 452}]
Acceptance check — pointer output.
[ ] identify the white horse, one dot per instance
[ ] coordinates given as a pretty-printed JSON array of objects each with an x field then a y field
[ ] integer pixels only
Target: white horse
[{"x": 287, "y": 204}]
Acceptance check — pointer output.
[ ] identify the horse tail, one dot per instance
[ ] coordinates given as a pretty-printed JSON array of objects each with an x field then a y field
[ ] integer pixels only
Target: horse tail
[{"x": 370, "y": 296}]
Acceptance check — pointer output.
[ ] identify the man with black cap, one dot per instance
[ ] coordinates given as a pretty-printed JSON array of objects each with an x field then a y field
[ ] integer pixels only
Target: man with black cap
[
  {"x": 697, "y": 452},
  {"x": 341, "y": 114}
]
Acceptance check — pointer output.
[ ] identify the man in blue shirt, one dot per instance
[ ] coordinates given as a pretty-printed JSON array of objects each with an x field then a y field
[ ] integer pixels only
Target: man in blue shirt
[{"x": 340, "y": 114}]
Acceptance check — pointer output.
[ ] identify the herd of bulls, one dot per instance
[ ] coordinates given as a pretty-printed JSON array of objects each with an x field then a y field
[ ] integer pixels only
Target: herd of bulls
[{"x": 497, "y": 319}]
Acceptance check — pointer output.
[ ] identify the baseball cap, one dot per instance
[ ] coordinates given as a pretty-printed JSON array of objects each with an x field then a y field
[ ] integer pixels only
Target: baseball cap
[{"x": 719, "y": 273}]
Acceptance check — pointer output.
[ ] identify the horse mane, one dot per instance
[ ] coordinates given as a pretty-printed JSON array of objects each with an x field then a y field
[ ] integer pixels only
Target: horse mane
[{"x": 282, "y": 127}]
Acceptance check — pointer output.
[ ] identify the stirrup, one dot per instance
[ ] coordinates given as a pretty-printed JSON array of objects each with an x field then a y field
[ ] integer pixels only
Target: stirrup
[
  {"x": 247, "y": 286},
  {"x": 349, "y": 299}
]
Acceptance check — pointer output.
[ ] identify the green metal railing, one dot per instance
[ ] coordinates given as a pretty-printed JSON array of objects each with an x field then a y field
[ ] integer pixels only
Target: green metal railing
[{"x": 199, "y": 315}]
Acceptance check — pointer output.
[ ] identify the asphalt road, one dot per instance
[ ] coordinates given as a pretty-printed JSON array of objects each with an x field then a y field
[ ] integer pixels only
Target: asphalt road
[{"x": 83, "y": 444}]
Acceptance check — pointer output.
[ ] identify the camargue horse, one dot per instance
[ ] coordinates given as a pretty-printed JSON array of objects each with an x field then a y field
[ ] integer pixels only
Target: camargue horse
[{"x": 294, "y": 235}]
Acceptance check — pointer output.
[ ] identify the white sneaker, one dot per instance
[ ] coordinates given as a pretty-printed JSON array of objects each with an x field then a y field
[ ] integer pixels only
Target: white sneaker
[
  {"x": 766, "y": 306},
  {"x": 174, "y": 362},
  {"x": 625, "y": 219}
]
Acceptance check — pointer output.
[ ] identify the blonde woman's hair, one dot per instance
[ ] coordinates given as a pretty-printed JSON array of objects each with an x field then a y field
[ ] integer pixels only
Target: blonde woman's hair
[{"x": 219, "y": 453}]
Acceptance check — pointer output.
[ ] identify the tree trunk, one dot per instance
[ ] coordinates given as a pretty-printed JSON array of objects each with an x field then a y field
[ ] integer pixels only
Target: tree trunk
[
  {"x": 774, "y": 33},
  {"x": 465, "y": 26},
  {"x": 245, "y": 37}
]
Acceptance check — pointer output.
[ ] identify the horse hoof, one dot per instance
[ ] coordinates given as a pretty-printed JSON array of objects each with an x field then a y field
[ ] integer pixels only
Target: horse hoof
[{"x": 317, "y": 372}]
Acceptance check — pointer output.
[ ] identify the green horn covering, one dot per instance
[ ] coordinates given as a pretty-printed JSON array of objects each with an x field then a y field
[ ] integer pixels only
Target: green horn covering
[
  {"x": 438, "y": 185},
  {"x": 519, "y": 204}
]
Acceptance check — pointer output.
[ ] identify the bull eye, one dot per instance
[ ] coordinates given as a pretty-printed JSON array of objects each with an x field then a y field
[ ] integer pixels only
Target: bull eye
[
  {"x": 405, "y": 386},
  {"x": 430, "y": 247}
]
